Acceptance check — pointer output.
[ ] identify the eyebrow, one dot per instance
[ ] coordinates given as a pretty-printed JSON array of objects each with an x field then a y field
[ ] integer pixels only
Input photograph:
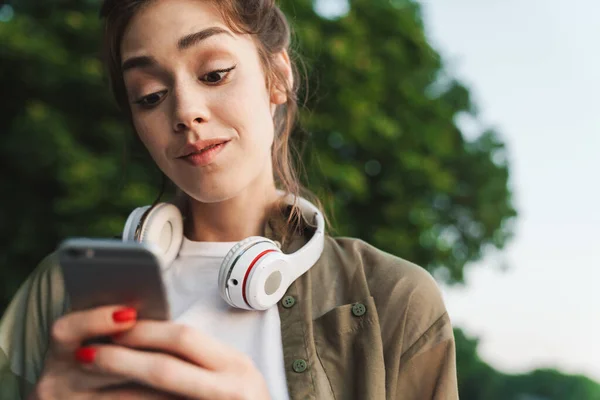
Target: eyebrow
[
  {"x": 195, "y": 38},
  {"x": 184, "y": 43},
  {"x": 138, "y": 62}
]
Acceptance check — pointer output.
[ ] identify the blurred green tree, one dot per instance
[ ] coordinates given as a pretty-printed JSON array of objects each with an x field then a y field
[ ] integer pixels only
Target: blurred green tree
[
  {"x": 380, "y": 137},
  {"x": 63, "y": 142},
  {"x": 479, "y": 381},
  {"x": 383, "y": 145}
]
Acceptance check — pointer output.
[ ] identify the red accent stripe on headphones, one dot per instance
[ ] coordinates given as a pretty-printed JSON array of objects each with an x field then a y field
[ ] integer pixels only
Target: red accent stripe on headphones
[{"x": 258, "y": 257}]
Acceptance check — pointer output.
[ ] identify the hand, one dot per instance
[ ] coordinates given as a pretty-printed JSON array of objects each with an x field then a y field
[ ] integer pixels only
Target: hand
[
  {"x": 64, "y": 378},
  {"x": 179, "y": 360}
]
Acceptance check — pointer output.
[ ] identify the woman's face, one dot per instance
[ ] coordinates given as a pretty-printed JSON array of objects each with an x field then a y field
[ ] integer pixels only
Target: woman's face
[{"x": 193, "y": 85}]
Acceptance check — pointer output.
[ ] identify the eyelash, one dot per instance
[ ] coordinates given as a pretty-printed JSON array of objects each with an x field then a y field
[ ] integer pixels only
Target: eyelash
[{"x": 143, "y": 101}]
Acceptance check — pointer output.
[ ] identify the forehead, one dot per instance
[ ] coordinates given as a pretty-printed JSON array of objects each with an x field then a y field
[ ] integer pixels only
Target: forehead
[{"x": 162, "y": 23}]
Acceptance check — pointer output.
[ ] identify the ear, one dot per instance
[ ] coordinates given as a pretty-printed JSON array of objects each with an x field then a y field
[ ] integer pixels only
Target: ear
[{"x": 284, "y": 66}]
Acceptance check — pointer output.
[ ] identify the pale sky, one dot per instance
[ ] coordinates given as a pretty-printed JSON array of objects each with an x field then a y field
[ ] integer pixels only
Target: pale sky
[{"x": 534, "y": 69}]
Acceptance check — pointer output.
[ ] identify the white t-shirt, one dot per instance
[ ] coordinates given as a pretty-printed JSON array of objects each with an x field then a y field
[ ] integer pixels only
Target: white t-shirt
[{"x": 191, "y": 282}]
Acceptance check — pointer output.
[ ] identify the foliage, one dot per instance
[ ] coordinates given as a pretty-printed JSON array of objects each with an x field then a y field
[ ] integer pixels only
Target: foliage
[
  {"x": 63, "y": 140},
  {"x": 381, "y": 139},
  {"x": 382, "y": 143},
  {"x": 478, "y": 380}
]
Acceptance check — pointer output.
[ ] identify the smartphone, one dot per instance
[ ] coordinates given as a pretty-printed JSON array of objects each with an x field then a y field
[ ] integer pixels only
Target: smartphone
[{"x": 100, "y": 272}]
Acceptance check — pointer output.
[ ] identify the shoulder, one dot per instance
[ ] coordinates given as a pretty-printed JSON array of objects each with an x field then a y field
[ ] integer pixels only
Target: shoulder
[
  {"x": 377, "y": 263},
  {"x": 385, "y": 273},
  {"x": 45, "y": 288},
  {"x": 408, "y": 300},
  {"x": 25, "y": 325},
  {"x": 45, "y": 283},
  {"x": 41, "y": 298},
  {"x": 48, "y": 275}
]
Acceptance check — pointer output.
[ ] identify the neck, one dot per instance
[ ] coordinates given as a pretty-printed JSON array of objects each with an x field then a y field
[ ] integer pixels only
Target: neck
[{"x": 233, "y": 219}]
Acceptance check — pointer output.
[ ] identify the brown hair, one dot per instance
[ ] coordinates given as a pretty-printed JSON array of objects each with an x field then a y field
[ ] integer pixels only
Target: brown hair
[{"x": 265, "y": 21}]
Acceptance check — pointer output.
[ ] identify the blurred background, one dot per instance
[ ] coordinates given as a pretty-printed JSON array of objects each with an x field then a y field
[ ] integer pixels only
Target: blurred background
[{"x": 461, "y": 135}]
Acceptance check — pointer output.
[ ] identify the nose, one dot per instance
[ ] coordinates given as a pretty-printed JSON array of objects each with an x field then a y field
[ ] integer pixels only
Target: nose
[{"x": 190, "y": 110}]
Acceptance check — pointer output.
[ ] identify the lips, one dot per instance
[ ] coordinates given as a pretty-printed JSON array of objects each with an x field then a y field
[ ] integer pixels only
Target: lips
[
  {"x": 207, "y": 148},
  {"x": 202, "y": 154},
  {"x": 212, "y": 146},
  {"x": 201, "y": 146}
]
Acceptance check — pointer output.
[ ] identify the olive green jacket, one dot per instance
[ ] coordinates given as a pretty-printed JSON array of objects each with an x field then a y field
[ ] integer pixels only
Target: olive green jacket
[{"x": 360, "y": 324}]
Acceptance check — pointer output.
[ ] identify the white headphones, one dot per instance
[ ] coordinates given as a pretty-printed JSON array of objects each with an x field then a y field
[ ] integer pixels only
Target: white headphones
[{"x": 255, "y": 274}]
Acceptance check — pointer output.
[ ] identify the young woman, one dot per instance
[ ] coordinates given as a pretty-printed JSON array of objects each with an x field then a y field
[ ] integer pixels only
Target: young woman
[{"x": 211, "y": 91}]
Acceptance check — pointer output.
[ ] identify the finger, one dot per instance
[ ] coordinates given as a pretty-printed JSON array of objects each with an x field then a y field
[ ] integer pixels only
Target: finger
[
  {"x": 72, "y": 376},
  {"x": 85, "y": 380},
  {"x": 182, "y": 341},
  {"x": 160, "y": 371},
  {"x": 69, "y": 331},
  {"x": 133, "y": 392}
]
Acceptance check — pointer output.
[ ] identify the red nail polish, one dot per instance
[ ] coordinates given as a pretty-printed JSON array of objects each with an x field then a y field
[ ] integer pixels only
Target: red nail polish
[
  {"x": 125, "y": 315},
  {"x": 86, "y": 355}
]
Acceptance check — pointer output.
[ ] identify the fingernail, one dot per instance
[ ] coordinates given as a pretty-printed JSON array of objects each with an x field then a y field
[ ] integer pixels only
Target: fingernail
[
  {"x": 86, "y": 355},
  {"x": 125, "y": 315}
]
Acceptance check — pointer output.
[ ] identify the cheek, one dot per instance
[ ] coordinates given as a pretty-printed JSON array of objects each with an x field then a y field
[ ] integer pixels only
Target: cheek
[
  {"x": 149, "y": 130},
  {"x": 249, "y": 111}
]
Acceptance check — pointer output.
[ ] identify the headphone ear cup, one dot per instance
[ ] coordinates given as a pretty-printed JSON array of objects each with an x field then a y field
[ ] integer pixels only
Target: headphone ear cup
[
  {"x": 253, "y": 275},
  {"x": 268, "y": 280},
  {"x": 162, "y": 227}
]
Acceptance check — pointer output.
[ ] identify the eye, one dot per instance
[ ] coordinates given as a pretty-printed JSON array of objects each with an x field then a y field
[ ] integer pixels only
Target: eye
[
  {"x": 151, "y": 100},
  {"x": 217, "y": 76}
]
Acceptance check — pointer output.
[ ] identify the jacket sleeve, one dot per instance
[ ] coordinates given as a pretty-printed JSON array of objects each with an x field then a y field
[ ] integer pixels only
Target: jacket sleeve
[
  {"x": 418, "y": 339},
  {"x": 428, "y": 368},
  {"x": 25, "y": 327}
]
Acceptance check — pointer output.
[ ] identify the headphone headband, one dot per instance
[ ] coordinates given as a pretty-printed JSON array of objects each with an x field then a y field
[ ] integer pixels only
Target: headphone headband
[{"x": 308, "y": 254}]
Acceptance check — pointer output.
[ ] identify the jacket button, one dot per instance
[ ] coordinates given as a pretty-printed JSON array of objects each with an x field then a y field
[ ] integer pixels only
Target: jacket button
[
  {"x": 288, "y": 302},
  {"x": 299, "y": 366},
  {"x": 359, "y": 309}
]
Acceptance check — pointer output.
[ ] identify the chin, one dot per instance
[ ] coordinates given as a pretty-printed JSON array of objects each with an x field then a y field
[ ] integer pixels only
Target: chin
[
  {"x": 215, "y": 195},
  {"x": 213, "y": 192},
  {"x": 222, "y": 185}
]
